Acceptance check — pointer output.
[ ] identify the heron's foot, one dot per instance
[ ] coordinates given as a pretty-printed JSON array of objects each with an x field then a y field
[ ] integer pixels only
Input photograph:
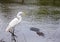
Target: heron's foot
[{"x": 14, "y": 39}]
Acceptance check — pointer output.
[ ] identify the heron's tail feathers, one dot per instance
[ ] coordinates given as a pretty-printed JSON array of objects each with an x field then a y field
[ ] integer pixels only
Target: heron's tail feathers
[{"x": 8, "y": 29}]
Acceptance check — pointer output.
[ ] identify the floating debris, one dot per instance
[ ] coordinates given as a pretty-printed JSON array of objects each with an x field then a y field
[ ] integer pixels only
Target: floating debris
[
  {"x": 34, "y": 29},
  {"x": 37, "y": 31},
  {"x": 40, "y": 33}
]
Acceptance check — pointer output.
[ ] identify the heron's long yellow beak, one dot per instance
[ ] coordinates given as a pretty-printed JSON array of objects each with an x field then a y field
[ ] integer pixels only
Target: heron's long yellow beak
[{"x": 24, "y": 13}]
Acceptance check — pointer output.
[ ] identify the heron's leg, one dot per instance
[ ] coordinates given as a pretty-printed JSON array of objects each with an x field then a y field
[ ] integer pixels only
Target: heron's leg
[
  {"x": 13, "y": 38},
  {"x": 14, "y": 32},
  {"x": 13, "y": 35}
]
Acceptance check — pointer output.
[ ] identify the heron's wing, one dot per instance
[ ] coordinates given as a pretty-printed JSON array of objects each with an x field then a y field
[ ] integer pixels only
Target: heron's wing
[{"x": 14, "y": 22}]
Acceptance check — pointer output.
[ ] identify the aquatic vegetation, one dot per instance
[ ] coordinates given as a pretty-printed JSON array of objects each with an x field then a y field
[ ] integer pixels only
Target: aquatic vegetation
[
  {"x": 43, "y": 11},
  {"x": 55, "y": 12}
]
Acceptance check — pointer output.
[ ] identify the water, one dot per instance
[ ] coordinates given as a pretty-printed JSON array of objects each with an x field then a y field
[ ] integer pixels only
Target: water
[{"x": 48, "y": 25}]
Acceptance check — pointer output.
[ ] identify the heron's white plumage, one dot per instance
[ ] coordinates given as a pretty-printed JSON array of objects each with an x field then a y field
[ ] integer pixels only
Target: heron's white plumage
[{"x": 14, "y": 22}]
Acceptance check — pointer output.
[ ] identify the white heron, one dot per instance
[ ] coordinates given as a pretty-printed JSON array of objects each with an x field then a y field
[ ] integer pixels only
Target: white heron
[{"x": 13, "y": 23}]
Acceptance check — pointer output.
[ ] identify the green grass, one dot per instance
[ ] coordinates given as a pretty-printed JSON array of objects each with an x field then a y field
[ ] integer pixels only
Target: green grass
[
  {"x": 55, "y": 12},
  {"x": 43, "y": 11},
  {"x": 49, "y": 2}
]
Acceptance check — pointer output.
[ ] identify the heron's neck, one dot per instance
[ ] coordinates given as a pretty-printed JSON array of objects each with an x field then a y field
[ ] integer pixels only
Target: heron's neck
[{"x": 19, "y": 17}]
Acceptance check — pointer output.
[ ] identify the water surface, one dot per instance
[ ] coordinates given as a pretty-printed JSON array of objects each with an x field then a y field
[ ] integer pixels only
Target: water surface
[{"x": 48, "y": 25}]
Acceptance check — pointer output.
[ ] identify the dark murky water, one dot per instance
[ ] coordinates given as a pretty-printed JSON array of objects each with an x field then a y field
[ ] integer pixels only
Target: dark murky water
[{"x": 49, "y": 26}]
